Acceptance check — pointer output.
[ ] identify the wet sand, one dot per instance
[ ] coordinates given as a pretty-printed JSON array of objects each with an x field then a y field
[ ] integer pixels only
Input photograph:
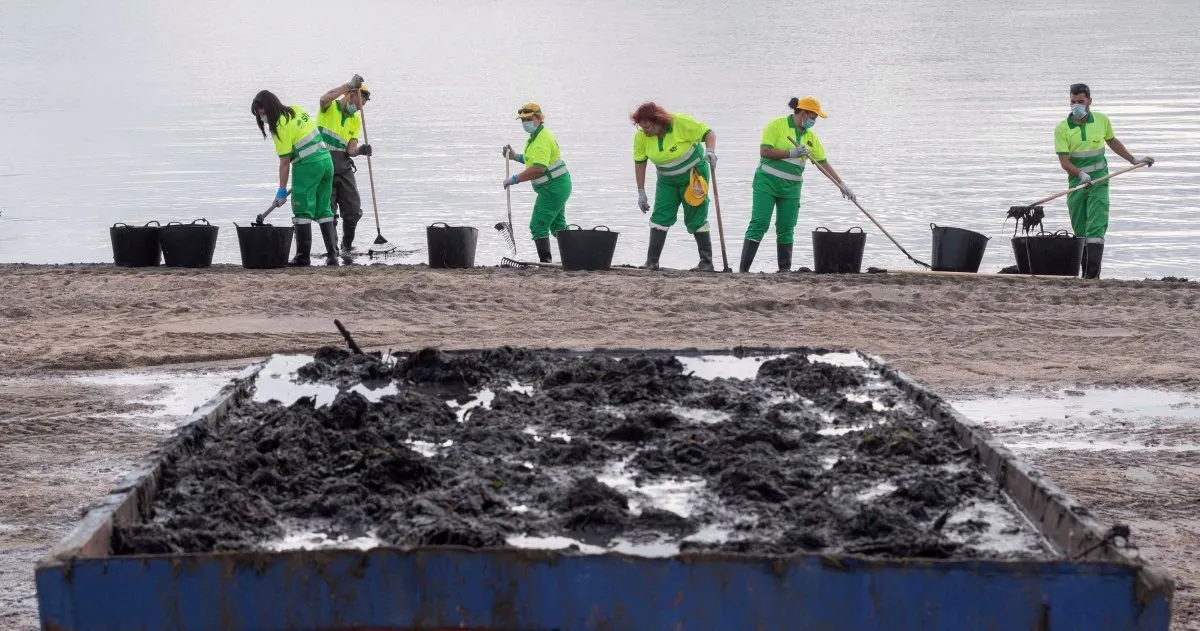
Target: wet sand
[{"x": 63, "y": 441}]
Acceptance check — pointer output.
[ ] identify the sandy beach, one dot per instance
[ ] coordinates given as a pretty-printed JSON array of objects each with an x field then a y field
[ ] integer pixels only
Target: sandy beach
[{"x": 66, "y": 431}]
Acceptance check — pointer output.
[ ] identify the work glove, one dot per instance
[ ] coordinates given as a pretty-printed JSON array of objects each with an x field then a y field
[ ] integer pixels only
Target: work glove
[
  {"x": 508, "y": 153},
  {"x": 510, "y": 181},
  {"x": 799, "y": 151},
  {"x": 280, "y": 197},
  {"x": 1085, "y": 179},
  {"x": 711, "y": 156},
  {"x": 364, "y": 150},
  {"x": 355, "y": 82},
  {"x": 1148, "y": 161},
  {"x": 643, "y": 201},
  {"x": 848, "y": 194}
]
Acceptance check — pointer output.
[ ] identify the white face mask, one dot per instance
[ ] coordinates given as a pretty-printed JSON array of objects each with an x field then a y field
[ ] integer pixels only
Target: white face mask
[
  {"x": 263, "y": 118},
  {"x": 351, "y": 108},
  {"x": 1079, "y": 110},
  {"x": 530, "y": 126}
]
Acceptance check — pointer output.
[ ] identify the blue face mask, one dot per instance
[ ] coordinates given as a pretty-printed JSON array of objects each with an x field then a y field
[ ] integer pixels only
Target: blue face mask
[
  {"x": 1079, "y": 110},
  {"x": 809, "y": 123},
  {"x": 530, "y": 126}
]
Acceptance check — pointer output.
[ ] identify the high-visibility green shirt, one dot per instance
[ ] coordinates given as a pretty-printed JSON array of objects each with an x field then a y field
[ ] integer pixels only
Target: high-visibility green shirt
[
  {"x": 337, "y": 126},
  {"x": 677, "y": 150},
  {"x": 542, "y": 150},
  {"x": 1084, "y": 143},
  {"x": 779, "y": 134},
  {"x": 298, "y": 136}
]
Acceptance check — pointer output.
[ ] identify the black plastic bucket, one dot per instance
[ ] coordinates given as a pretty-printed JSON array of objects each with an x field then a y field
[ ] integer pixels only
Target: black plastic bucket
[
  {"x": 838, "y": 252},
  {"x": 451, "y": 247},
  {"x": 188, "y": 245},
  {"x": 265, "y": 246},
  {"x": 587, "y": 249},
  {"x": 1054, "y": 254},
  {"x": 135, "y": 246},
  {"x": 956, "y": 249}
]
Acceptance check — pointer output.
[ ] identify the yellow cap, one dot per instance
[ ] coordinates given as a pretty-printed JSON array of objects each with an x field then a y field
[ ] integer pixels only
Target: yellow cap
[
  {"x": 528, "y": 110},
  {"x": 810, "y": 104},
  {"x": 366, "y": 93}
]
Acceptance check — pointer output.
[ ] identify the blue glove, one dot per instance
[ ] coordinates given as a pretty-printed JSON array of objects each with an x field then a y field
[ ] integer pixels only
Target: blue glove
[
  {"x": 510, "y": 181},
  {"x": 280, "y": 195}
]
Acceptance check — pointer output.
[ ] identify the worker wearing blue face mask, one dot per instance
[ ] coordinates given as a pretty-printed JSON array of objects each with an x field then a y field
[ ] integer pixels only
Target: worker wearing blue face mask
[
  {"x": 787, "y": 142},
  {"x": 1079, "y": 141},
  {"x": 341, "y": 126},
  {"x": 545, "y": 168}
]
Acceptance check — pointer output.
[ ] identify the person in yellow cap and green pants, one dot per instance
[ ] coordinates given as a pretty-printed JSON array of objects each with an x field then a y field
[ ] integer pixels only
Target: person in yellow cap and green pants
[
  {"x": 299, "y": 146},
  {"x": 341, "y": 126},
  {"x": 544, "y": 167},
  {"x": 682, "y": 149},
  {"x": 1079, "y": 141},
  {"x": 787, "y": 143}
]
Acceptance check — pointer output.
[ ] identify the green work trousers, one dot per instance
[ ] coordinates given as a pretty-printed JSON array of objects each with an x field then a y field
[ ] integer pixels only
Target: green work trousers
[
  {"x": 550, "y": 210},
  {"x": 668, "y": 196},
  {"x": 772, "y": 195},
  {"x": 312, "y": 188},
  {"x": 1089, "y": 209}
]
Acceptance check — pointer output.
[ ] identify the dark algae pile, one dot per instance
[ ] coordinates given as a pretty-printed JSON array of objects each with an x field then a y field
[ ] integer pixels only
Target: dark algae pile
[{"x": 645, "y": 454}]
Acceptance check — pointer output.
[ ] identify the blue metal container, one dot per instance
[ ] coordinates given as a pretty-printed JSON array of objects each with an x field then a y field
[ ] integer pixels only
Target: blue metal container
[{"x": 1095, "y": 585}]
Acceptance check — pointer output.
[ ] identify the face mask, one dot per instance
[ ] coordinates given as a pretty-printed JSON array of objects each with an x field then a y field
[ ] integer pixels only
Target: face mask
[
  {"x": 263, "y": 118},
  {"x": 1079, "y": 110},
  {"x": 809, "y": 123},
  {"x": 530, "y": 126},
  {"x": 351, "y": 108}
]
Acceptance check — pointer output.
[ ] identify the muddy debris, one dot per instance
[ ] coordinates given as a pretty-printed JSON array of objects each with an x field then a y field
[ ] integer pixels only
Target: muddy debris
[{"x": 516, "y": 447}]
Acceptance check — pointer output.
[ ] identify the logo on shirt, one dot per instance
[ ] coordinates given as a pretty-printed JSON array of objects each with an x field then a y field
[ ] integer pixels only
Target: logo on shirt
[{"x": 673, "y": 149}]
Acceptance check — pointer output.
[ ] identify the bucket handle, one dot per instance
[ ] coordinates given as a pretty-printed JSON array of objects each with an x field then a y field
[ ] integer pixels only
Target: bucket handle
[
  {"x": 932, "y": 226},
  {"x": 174, "y": 223},
  {"x": 858, "y": 228},
  {"x": 120, "y": 223},
  {"x": 439, "y": 222},
  {"x": 199, "y": 220},
  {"x": 822, "y": 228},
  {"x": 606, "y": 228},
  {"x": 577, "y": 226},
  {"x": 152, "y": 221}
]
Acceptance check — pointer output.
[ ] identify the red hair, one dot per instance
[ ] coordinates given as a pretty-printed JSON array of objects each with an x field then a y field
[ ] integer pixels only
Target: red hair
[{"x": 650, "y": 112}]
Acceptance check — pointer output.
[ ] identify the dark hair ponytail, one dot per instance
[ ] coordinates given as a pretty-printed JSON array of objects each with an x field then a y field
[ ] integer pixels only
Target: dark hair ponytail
[
  {"x": 274, "y": 108},
  {"x": 793, "y": 103}
]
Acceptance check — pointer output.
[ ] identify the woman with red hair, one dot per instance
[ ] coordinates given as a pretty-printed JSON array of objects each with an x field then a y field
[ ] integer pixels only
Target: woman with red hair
[{"x": 672, "y": 142}]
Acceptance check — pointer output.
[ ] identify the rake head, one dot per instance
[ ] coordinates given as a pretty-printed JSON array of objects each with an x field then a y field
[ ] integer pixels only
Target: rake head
[
  {"x": 507, "y": 262},
  {"x": 506, "y": 231}
]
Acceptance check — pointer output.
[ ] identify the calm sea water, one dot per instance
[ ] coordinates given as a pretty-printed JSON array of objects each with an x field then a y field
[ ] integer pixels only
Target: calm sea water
[{"x": 939, "y": 111}]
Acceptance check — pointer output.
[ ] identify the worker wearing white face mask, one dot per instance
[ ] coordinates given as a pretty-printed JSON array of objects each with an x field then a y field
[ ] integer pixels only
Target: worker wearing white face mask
[
  {"x": 545, "y": 168},
  {"x": 341, "y": 125}
]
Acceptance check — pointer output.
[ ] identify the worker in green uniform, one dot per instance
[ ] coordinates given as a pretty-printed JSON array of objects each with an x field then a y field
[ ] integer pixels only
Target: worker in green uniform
[
  {"x": 683, "y": 151},
  {"x": 544, "y": 167},
  {"x": 341, "y": 126},
  {"x": 1079, "y": 142},
  {"x": 299, "y": 146},
  {"x": 787, "y": 143}
]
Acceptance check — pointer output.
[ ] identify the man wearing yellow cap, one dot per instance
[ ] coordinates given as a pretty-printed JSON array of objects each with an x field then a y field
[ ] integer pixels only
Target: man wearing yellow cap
[
  {"x": 340, "y": 126},
  {"x": 787, "y": 142},
  {"x": 545, "y": 168}
]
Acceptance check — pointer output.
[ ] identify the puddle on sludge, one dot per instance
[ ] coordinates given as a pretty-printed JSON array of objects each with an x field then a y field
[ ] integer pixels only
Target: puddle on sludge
[
  {"x": 171, "y": 397},
  {"x": 711, "y": 367}
]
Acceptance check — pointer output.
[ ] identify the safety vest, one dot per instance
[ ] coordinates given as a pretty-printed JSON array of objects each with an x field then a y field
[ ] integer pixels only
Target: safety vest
[
  {"x": 337, "y": 127},
  {"x": 542, "y": 150},
  {"x": 1084, "y": 144},
  {"x": 298, "y": 137},
  {"x": 780, "y": 134},
  {"x": 677, "y": 151}
]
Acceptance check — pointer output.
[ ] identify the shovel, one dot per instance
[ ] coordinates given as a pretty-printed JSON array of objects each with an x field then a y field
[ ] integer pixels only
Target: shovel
[{"x": 258, "y": 221}]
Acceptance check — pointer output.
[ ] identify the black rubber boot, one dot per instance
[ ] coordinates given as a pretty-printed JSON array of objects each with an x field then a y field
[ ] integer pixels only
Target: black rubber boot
[
  {"x": 348, "y": 235},
  {"x": 749, "y": 249},
  {"x": 658, "y": 238},
  {"x": 784, "y": 251},
  {"x": 543, "y": 249},
  {"x": 329, "y": 236},
  {"x": 704, "y": 247},
  {"x": 303, "y": 245},
  {"x": 1092, "y": 253}
]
